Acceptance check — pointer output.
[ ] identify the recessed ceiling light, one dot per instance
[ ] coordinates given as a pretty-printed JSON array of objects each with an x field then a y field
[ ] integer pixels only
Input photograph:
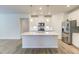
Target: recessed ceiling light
[
  {"x": 40, "y": 8},
  {"x": 68, "y": 6}
]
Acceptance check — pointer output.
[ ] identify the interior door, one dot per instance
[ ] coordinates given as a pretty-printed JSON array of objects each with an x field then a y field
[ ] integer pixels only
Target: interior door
[{"x": 24, "y": 25}]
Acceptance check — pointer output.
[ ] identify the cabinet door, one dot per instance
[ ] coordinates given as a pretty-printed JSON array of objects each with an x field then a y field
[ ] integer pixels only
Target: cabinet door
[
  {"x": 75, "y": 39},
  {"x": 37, "y": 41},
  {"x": 77, "y": 22}
]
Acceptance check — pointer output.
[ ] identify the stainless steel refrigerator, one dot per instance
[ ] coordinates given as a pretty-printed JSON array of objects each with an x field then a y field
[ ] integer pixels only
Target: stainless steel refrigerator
[{"x": 68, "y": 27}]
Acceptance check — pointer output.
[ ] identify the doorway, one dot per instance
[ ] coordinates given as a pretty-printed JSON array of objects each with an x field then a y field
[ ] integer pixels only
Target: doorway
[{"x": 24, "y": 25}]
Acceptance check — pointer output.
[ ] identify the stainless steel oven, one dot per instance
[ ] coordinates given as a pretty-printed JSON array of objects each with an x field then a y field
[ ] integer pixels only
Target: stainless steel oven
[{"x": 41, "y": 27}]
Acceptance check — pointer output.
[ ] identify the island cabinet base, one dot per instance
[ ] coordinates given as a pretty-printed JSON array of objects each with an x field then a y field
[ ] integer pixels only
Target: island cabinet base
[{"x": 40, "y": 41}]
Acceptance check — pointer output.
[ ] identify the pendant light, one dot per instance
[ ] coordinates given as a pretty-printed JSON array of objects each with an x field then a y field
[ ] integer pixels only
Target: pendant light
[
  {"x": 33, "y": 14},
  {"x": 31, "y": 9},
  {"x": 48, "y": 13}
]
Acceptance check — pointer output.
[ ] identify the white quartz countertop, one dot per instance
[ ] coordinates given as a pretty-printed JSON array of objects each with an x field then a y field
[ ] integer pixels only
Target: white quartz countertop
[{"x": 40, "y": 33}]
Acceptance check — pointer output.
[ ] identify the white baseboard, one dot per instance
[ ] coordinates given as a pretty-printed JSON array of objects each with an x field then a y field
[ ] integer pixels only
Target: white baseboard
[{"x": 15, "y": 38}]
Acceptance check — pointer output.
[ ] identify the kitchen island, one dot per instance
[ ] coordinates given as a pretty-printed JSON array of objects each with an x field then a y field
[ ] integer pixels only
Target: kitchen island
[{"x": 40, "y": 40}]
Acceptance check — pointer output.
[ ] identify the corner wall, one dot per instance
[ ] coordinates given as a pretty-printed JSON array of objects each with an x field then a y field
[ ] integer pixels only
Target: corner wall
[{"x": 9, "y": 26}]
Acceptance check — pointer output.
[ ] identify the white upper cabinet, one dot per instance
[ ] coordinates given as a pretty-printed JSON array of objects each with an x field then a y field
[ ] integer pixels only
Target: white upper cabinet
[
  {"x": 77, "y": 22},
  {"x": 74, "y": 16}
]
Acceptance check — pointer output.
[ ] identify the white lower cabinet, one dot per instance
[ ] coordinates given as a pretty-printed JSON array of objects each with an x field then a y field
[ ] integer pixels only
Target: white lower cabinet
[
  {"x": 37, "y": 41},
  {"x": 75, "y": 39}
]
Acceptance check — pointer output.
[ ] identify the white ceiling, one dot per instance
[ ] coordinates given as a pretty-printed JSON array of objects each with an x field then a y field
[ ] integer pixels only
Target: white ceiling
[{"x": 35, "y": 9}]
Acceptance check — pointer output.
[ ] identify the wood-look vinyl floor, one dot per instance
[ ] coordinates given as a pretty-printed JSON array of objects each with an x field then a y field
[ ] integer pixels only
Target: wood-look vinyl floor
[
  {"x": 41, "y": 51},
  {"x": 15, "y": 47},
  {"x": 67, "y": 49}
]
